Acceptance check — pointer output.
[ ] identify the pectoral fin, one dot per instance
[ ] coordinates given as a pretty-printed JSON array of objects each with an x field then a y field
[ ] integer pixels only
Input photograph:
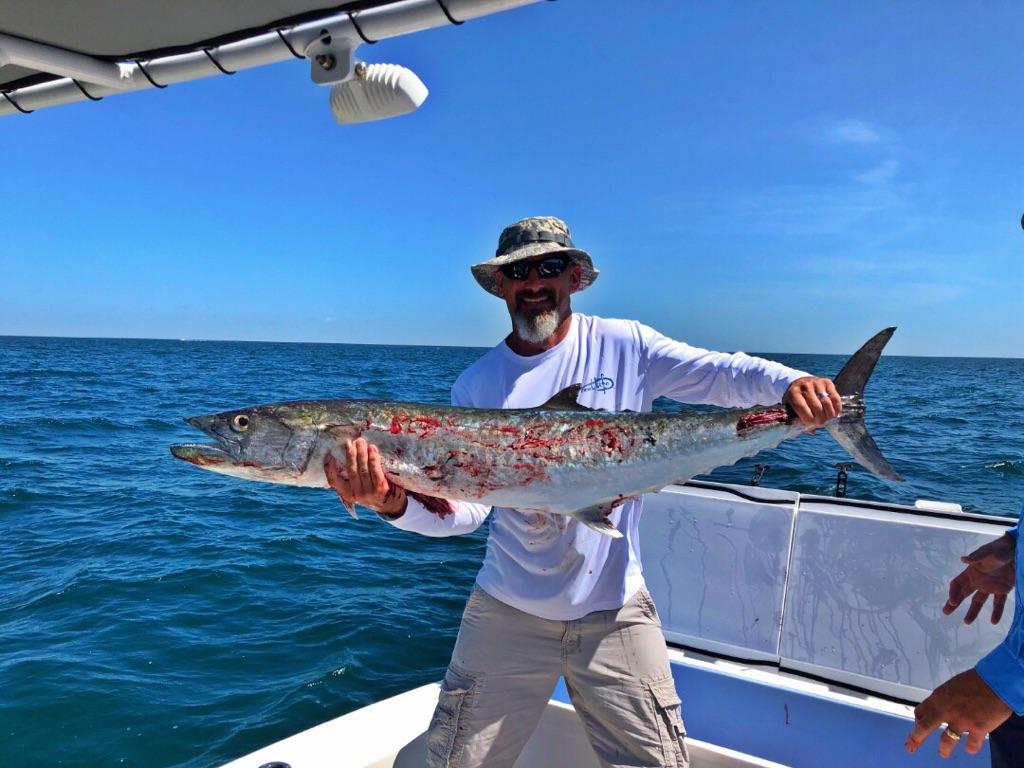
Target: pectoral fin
[
  {"x": 350, "y": 507},
  {"x": 596, "y": 518}
]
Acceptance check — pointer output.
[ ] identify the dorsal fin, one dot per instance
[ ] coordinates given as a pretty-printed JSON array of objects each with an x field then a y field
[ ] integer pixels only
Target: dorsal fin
[{"x": 566, "y": 400}]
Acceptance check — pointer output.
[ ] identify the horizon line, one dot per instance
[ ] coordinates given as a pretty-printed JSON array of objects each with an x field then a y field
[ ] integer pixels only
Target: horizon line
[{"x": 429, "y": 346}]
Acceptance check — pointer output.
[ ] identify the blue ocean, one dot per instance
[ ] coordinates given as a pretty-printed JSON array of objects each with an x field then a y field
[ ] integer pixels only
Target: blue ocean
[{"x": 152, "y": 614}]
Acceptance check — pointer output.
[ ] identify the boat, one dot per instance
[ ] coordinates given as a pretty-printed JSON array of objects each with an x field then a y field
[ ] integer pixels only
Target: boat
[
  {"x": 810, "y": 628},
  {"x": 801, "y": 629}
]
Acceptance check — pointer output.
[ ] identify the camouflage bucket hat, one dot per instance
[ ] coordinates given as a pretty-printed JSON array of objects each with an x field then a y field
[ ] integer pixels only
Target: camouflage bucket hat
[{"x": 531, "y": 237}]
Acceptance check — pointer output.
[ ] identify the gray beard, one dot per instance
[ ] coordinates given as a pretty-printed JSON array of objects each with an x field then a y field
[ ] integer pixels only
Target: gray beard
[{"x": 535, "y": 328}]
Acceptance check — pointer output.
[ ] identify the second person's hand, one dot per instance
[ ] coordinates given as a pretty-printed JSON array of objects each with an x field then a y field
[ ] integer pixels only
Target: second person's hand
[{"x": 989, "y": 573}]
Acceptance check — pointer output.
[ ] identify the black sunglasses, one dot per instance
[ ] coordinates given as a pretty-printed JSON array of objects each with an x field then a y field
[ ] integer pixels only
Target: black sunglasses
[{"x": 552, "y": 266}]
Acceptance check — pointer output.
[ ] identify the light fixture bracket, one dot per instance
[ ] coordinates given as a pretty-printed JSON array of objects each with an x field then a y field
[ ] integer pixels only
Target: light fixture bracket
[{"x": 331, "y": 59}]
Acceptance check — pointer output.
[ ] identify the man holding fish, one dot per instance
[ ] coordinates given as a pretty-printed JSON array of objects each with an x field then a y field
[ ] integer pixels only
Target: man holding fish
[{"x": 555, "y": 598}]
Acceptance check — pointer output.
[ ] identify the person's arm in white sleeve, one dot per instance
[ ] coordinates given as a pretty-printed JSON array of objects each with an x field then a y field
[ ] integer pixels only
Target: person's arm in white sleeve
[
  {"x": 465, "y": 517},
  {"x": 695, "y": 375}
]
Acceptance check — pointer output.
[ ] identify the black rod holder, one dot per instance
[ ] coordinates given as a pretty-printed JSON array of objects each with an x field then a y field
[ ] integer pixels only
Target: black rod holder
[
  {"x": 844, "y": 470},
  {"x": 759, "y": 470}
]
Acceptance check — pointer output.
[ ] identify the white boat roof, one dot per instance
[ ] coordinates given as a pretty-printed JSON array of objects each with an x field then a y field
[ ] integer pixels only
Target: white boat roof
[
  {"x": 113, "y": 30},
  {"x": 69, "y": 50}
]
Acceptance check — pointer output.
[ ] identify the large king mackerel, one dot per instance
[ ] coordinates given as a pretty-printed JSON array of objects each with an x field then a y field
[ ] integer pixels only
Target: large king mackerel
[{"x": 559, "y": 458}]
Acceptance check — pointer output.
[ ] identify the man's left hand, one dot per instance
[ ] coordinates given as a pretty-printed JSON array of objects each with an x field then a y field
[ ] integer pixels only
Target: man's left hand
[
  {"x": 814, "y": 400},
  {"x": 969, "y": 707},
  {"x": 990, "y": 572}
]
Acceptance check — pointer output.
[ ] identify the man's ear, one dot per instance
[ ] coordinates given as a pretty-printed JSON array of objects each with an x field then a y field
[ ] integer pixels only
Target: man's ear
[{"x": 575, "y": 276}]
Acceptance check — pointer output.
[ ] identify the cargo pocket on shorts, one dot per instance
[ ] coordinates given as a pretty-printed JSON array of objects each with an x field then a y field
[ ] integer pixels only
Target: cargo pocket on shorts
[
  {"x": 646, "y": 605},
  {"x": 670, "y": 721},
  {"x": 444, "y": 742}
]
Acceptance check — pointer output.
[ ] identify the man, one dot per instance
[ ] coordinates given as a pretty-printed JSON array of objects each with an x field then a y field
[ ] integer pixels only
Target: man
[
  {"x": 990, "y": 697},
  {"x": 555, "y": 598}
]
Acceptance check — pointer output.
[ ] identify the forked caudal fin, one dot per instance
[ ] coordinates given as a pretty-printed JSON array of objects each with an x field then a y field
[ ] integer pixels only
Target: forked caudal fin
[{"x": 849, "y": 429}]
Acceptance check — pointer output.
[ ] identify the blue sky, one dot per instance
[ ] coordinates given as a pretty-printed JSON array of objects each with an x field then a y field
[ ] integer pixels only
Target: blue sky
[{"x": 763, "y": 176}]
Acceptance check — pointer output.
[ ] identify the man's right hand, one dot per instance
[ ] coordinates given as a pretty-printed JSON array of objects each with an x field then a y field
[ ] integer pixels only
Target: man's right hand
[
  {"x": 970, "y": 708},
  {"x": 989, "y": 572},
  {"x": 361, "y": 480}
]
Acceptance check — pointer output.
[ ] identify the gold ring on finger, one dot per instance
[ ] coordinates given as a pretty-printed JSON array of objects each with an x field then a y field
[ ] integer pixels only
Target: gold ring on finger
[{"x": 954, "y": 735}]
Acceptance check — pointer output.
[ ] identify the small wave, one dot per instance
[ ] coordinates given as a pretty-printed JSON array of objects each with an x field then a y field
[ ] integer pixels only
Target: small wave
[
  {"x": 158, "y": 424},
  {"x": 6, "y": 463},
  {"x": 97, "y": 423},
  {"x": 20, "y": 493},
  {"x": 54, "y": 373}
]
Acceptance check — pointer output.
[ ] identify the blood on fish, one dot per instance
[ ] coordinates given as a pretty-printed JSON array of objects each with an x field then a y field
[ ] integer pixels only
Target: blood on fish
[
  {"x": 471, "y": 468},
  {"x": 425, "y": 424},
  {"x": 421, "y": 426},
  {"x": 202, "y": 460},
  {"x": 528, "y": 472},
  {"x": 762, "y": 418},
  {"x": 615, "y": 439}
]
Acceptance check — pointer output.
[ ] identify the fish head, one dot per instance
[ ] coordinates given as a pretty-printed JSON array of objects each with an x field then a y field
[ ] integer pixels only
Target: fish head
[{"x": 256, "y": 443}]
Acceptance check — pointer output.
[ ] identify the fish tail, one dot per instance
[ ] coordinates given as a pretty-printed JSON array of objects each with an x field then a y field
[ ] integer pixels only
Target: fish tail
[{"x": 849, "y": 429}]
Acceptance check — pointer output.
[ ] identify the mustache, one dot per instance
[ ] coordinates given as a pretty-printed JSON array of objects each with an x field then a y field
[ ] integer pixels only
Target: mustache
[{"x": 544, "y": 294}]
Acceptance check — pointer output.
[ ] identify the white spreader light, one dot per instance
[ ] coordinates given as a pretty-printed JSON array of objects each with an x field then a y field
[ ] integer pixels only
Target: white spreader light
[
  {"x": 361, "y": 92},
  {"x": 375, "y": 92}
]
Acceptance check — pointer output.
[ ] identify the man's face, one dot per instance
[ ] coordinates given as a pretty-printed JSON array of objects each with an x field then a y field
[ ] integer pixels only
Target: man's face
[{"x": 538, "y": 304}]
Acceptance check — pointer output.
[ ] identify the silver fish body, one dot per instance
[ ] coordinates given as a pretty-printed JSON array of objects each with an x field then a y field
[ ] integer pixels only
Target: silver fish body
[{"x": 559, "y": 458}]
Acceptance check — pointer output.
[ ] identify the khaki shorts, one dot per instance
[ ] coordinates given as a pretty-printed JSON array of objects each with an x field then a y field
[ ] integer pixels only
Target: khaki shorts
[{"x": 505, "y": 666}]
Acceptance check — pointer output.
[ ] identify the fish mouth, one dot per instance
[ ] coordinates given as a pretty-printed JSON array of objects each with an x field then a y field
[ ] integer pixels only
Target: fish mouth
[{"x": 202, "y": 455}]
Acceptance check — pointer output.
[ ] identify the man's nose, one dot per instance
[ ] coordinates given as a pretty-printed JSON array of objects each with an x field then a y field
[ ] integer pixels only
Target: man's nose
[{"x": 534, "y": 282}]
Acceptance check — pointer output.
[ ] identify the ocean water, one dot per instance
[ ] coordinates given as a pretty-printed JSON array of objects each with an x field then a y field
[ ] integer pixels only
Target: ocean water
[{"x": 152, "y": 614}]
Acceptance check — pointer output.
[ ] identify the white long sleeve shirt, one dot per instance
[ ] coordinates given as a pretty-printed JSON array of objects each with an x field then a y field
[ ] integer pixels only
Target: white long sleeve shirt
[{"x": 550, "y": 565}]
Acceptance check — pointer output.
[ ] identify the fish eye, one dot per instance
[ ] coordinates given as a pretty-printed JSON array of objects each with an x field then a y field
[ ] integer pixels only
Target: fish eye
[{"x": 240, "y": 422}]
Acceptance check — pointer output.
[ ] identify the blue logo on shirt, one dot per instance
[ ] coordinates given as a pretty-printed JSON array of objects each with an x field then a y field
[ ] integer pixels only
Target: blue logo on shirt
[{"x": 600, "y": 384}]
